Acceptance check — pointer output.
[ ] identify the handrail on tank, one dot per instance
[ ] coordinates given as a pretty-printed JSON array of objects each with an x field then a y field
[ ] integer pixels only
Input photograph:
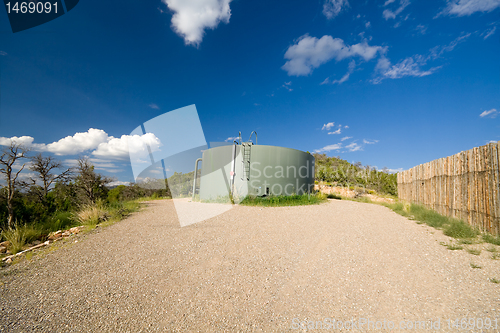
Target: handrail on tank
[
  {"x": 239, "y": 138},
  {"x": 195, "y": 175},
  {"x": 251, "y": 136}
]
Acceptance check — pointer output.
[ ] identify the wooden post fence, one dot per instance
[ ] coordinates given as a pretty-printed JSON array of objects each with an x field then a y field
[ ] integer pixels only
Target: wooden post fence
[{"x": 465, "y": 186}]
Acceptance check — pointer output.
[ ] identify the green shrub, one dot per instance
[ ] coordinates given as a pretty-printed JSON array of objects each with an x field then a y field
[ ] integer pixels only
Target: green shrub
[
  {"x": 20, "y": 235},
  {"x": 334, "y": 196},
  {"x": 488, "y": 238},
  {"x": 459, "y": 229}
]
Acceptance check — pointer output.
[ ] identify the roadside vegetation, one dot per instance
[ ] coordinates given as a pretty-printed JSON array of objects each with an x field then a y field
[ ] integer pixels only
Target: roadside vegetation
[
  {"x": 335, "y": 171},
  {"x": 278, "y": 201},
  {"x": 51, "y": 197}
]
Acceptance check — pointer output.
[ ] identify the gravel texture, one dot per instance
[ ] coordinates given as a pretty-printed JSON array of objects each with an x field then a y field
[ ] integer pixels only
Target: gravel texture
[{"x": 249, "y": 269}]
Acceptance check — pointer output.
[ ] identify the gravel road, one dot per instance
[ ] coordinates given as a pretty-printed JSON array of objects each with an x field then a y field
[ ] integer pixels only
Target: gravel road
[{"x": 250, "y": 269}]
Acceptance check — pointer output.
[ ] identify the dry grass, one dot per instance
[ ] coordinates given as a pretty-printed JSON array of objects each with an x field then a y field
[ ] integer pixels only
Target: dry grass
[{"x": 92, "y": 214}]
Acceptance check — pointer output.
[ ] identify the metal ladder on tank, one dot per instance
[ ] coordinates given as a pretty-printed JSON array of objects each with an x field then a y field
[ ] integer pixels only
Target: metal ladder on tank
[{"x": 246, "y": 161}]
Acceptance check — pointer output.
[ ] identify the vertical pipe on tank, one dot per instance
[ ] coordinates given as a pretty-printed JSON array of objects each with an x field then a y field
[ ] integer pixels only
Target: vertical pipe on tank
[
  {"x": 233, "y": 162},
  {"x": 195, "y": 175}
]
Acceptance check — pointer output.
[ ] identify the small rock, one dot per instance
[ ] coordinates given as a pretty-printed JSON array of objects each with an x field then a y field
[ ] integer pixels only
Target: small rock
[
  {"x": 74, "y": 230},
  {"x": 36, "y": 242},
  {"x": 66, "y": 233},
  {"x": 56, "y": 235},
  {"x": 3, "y": 249},
  {"x": 6, "y": 244},
  {"x": 8, "y": 261}
]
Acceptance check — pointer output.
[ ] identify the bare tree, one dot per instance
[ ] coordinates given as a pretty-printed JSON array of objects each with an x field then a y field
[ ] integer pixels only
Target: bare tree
[
  {"x": 10, "y": 155},
  {"x": 45, "y": 167},
  {"x": 91, "y": 185}
]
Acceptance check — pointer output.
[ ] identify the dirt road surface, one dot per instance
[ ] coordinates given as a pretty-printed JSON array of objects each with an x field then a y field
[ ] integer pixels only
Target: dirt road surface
[{"x": 252, "y": 269}]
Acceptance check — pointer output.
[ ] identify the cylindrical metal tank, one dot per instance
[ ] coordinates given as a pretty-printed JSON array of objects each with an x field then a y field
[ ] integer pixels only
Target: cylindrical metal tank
[{"x": 247, "y": 169}]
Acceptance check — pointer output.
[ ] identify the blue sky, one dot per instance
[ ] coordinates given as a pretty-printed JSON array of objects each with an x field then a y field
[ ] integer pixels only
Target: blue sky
[{"x": 387, "y": 83}]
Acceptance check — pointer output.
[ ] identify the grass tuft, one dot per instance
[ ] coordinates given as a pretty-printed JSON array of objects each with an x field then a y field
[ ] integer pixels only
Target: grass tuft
[
  {"x": 334, "y": 196},
  {"x": 475, "y": 252},
  {"x": 491, "y": 239},
  {"x": 494, "y": 280},
  {"x": 473, "y": 265},
  {"x": 92, "y": 214},
  {"x": 20, "y": 235},
  {"x": 451, "y": 246},
  {"x": 292, "y": 200},
  {"x": 491, "y": 249}
]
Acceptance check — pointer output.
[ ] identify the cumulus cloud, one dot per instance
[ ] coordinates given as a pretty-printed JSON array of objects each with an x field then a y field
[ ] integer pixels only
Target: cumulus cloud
[
  {"x": 389, "y": 14},
  {"x": 120, "y": 147},
  {"x": 231, "y": 138},
  {"x": 78, "y": 143},
  {"x": 489, "y": 114},
  {"x": 328, "y": 148},
  {"x": 346, "y": 138},
  {"x": 328, "y": 126},
  {"x": 309, "y": 53},
  {"x": 192, "y": 17},
  {"x": 468, "y": 7},
  {"x": 332, "y": 8},
  {"x": 95, "y": 140}
]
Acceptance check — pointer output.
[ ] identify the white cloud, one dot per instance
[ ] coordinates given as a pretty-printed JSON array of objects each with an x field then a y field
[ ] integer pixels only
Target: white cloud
[
  {"x": 489, "y": 32},
  {"x": 388, "y": 2},
  {"x": 346, "y": 76},
  {"x": 332, "y": 8},
  {"x": 346, "y": 126},
  {"x": 24, "y": 140},
  {"x": 192, "y": 17},
  {"x": 78, "y": 143},
  {"x": 325, "y": 81},
  {"x": 120, "y": 147},
  {"x": 395, "y": 170},
  {"x": 353, "y": 146},
  {"x": 310, "y": 52},
  {"x": 406, "y": 67},
  {"x": 421, "y": 29},
  {"x": 338, "y": 131},
  {"x": 389, "y": 14},
  {"x": 369, "y": 142},
  {"x": 117, "y": 183},
  {"x": 95, "y": 140},
  {"x": 411, "y": 66},
  {"x": 231, "y": 138},
  {"x": 287, "y": 85},
  {"x": 3, "y": 53},
  {"x": 489, "y": 114},
  {"x": 327, "y": 126},
  {"x": 154, "y": 106},
  {"x": 438, "y": 51},
  {"x": 336, "y": 146},
  {"x": 346, "y": 138},
  {"x": 468, "y": 7},
  {"x": 368, "y": 24}
]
